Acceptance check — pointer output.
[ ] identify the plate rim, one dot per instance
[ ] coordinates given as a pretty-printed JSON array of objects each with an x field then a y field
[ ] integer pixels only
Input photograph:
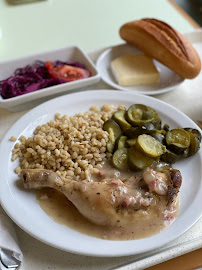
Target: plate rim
[{"x": 113, "y": 93}]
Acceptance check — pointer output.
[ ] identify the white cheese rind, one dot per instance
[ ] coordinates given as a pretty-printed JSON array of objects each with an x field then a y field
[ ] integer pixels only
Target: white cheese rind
[{"x": 137, "y": 69}]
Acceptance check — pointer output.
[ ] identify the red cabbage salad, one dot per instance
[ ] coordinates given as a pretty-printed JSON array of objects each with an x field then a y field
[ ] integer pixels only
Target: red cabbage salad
[{"x": 37, "y": 76}]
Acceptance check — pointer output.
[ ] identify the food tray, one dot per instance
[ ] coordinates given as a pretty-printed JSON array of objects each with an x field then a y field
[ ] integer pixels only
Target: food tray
[{"x": 40, "y": 256}]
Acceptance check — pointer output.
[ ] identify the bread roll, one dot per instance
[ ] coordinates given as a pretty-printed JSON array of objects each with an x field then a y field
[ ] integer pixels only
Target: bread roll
[{"x": 163, "y": 43}]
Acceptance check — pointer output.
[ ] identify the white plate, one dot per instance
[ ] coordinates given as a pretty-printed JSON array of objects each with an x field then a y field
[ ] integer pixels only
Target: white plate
[
  {"x": 21, "y": 204},
  {"x": 71, "y": 53},
  {"x": 168, "y": 79}
]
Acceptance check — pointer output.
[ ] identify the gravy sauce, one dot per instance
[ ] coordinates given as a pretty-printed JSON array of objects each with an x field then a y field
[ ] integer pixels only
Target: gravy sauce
[{"x": 148, "y": 222}]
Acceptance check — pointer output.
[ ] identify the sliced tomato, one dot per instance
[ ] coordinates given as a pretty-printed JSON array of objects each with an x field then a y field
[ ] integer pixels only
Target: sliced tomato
[{"x": 67, "y": 73}]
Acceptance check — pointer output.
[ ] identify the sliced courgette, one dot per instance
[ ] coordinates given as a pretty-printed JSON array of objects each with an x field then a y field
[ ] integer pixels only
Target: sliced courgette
[
  {"x": 166, "y": 127},
  {"x": 169, "y": 157},
  {"x": 120, "y": 159},
  {"x": 147, "y": 128},
  {"x": 194, "y": 144},
  {"x": 137, "y": 161},
  {"x": 139, "y": 114},
  {"x": 121, "y": 142},
  {"x": 149, "y": 146},
  {"x": 194, "y": 131},
  {"x": 157, "y": 121},
  {"x": 120, "y": 118},
  {"x": 159, "y": 135},
  {"x": 178, "y": 140},
  {"x": 114, "y": 132},
  {"x": 111, "y": 141},
  {"x": 131, "y": 142},
  {"x": 134, "y": 132}
]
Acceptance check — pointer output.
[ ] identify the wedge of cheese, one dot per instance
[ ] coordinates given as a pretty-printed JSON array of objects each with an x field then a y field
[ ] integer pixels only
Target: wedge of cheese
[{"x": 136, "y": 69}]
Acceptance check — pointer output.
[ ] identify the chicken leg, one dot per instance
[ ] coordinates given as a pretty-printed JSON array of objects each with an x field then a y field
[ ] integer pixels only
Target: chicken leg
[
  {"x": 105, "y": 203},
  {"x": 100, "y": 202}
]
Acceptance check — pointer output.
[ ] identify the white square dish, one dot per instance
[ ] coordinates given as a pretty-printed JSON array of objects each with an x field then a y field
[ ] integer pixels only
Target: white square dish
[{"x": 72, "y": 53}]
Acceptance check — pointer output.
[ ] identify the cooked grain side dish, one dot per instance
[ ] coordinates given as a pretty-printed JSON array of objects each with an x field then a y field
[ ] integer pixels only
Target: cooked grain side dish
[
  {"x": 107, "y": 172},
  {"x": 72, "y": 146}
]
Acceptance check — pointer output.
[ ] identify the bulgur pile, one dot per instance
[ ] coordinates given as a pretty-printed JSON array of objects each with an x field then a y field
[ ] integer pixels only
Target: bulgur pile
[{"x": 74, "y": 146}]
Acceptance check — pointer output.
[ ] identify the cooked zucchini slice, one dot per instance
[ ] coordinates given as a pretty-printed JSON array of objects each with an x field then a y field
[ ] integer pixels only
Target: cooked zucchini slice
[
  {"x": 147, "y": 128},
  {"x": 150, "y": 146},
  {"x": 166, "y": 127},
  {"x": 131, "y": 142},
  {"x": 114, "y": 126},
  {"x": 194, "y": 144},
  {"x": 178, "y": 140},
  {"x": 120, "y": 118},
  {"x": 169, "y": 157},
  {"x": 157, "y": 121},
  {"x": 137, "y": 161},
  {"x": 120, "y": 159},
  {"x": 134, "y": 132},
  {"x": 185, "y": 154},
  {"x": 121, "y": 142},
  {"x": 139, "y": 114},
  {"x": 159, "y": 135},
  {"x": 194, "y": 131},
  {"x": 114, "y": 132}
]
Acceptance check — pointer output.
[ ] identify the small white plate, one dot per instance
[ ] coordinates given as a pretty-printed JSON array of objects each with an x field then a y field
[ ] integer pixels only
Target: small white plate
[
  {"x": 168, "y": 79},
  {"x": 72, "y": 53},
  {"x": 22, "y": 207}
]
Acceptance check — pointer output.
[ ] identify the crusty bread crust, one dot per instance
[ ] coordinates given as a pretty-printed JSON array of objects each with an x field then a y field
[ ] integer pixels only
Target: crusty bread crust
[{"x": 163, "y": 43}]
